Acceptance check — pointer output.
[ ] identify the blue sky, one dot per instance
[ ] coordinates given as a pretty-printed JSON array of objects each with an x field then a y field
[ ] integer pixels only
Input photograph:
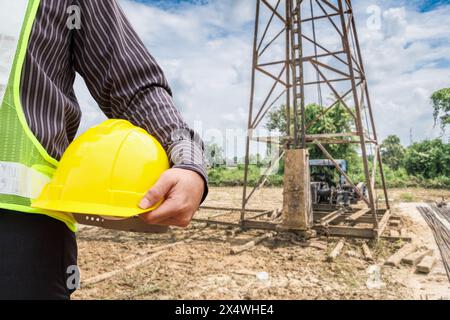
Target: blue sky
[
  {"x": 428, "y": 5},
  {"x": 204, "y": 48},
  {"x": 421, "y": 5}
]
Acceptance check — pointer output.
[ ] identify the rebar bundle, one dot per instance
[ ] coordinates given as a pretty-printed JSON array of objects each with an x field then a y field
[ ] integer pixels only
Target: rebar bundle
[
  {"x": 441, "y": 234},
  {"x": 443, "y": 212}
]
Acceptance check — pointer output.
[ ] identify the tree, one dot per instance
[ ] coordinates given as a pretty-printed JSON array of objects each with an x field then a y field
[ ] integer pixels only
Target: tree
[
  {"x": 441, "y": 105},
  {"x": 214, "y": 155},
  {"x": 429, "y": 159},
  {"x": 336, "y": 120},
  {"x": 392, "y": 152}
]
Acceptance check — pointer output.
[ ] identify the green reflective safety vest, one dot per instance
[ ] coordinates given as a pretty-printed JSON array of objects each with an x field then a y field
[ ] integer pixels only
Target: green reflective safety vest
[{"x": 25, "y": 166}]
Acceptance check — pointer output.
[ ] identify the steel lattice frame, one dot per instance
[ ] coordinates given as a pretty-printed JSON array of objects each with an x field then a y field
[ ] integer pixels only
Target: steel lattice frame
[
  {"x": 332, "y": 65},
  {"x": 290, "y": 51}
]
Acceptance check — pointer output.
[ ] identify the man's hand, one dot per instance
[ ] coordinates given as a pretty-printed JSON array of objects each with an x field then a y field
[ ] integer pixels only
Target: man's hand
[{"x": 182, "y": 191}]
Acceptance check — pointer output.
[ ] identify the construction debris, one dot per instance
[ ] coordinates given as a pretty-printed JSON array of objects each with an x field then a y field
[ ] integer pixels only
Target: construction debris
[
  {"x": 336, "y": 251},
  {"x": 262, "y": 276},
  {"x": 311, "y": 244},
  {"x": 416, "y": 257},
  {"x": 397, "y": 257},
  {"x": 205, "y": 269},
  {"x": 442, "y": 203},
  {"x": 367, "y": 253},
  {"x": 403, "y": 233},
  {"x": 356, "y": 215},
  {"x": 395, "y": 239},
  {"x": 427, "y": 264},
  {"x": 394, "y": 223},
  {"x": 353, "y": 254},
  {"x": 331, "y": 216},
  {"x": 157, "y": 252},
  {"x": 442, "y": 211},
  {"x": 251, "y": 244},
  {"x": 394, "y": 233}
]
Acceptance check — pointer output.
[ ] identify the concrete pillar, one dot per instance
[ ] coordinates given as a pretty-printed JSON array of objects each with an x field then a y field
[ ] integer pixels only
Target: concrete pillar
[{"x": 297, "y": 204}]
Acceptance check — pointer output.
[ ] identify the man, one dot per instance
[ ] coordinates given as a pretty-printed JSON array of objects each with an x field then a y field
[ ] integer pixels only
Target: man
[{"x": 40, "y": 52}]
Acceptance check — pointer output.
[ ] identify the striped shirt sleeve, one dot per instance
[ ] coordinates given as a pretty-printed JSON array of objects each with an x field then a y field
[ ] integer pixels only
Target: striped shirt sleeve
[{"x": 127, "y": 82}]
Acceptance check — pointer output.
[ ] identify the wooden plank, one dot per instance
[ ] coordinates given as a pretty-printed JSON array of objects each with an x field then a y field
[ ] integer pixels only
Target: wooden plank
[
  {"x": 311, "y": 244},
  {"x": 318, "y": 245},
  {"x": 364, "y": 219},
  {"x": 251, "y": 244},
  {"x": 324, "y": 207},
  {"x": 394, "y": 223},
  {"x": 427, "y": 264},
  {"x": 355, "y": 232},
  {"x": 330, "y": 217},
  {"x": 397, "y": 257},
  {"x": 415, "y": 257},
  {"x": 394, "y": 233},
  {"x": 358, "y": 214},
  {"x": 383, "y": 222},
  {"x": 336, "y": 251},
  {"x": 403, "y": 232},
  {"x": 367, "y": 253},
  {"x": 394, "y": 239}
]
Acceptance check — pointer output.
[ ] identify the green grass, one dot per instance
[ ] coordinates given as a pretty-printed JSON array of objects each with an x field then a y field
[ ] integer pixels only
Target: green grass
[
  {"x": 231, "y": 177},
  {"x": 407, "y": 197}
]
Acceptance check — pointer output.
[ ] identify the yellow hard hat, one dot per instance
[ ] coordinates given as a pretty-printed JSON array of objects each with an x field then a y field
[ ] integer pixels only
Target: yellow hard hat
[{"x": 106, "y": 171}]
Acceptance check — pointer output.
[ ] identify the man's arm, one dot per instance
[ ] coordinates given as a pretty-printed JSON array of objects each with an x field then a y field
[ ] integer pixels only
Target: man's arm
[{"x": 127, "y": 83}]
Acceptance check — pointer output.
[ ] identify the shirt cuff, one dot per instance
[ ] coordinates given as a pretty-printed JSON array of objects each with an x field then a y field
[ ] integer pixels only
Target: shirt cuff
[
  {"x": 189, "y": 155},
  {"x": 201, "y": 172}
]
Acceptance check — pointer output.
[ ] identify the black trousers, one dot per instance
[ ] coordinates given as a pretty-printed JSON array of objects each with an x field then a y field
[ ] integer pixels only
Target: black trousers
[{"x": 38, "y": 255}]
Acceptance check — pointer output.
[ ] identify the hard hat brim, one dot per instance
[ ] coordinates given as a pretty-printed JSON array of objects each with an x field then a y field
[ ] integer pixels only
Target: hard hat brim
[{"x": 90, "y": 208}]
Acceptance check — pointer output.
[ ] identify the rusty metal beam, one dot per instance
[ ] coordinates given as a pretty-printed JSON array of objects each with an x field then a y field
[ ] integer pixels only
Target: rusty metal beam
[
  {"x": 269, "y": 6},
  {"x": 266, "y": 100},
  {"x": 230, "y": 209},
  {"x": 359, "y": 124},
  {"x": 267, "y": 28}
]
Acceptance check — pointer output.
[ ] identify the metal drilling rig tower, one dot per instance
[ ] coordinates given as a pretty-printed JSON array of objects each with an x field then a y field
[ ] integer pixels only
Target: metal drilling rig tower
[{"x": 305, "y": 52}]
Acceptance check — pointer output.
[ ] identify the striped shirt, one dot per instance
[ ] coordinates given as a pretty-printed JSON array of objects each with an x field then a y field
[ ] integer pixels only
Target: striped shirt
[{"x": 123, "y": 78}]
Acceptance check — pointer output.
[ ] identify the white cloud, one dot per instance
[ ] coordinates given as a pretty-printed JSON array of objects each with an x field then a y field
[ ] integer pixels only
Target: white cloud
[
  {"x": 206, "y": 54},
  {"x": 401, "y": 61}
]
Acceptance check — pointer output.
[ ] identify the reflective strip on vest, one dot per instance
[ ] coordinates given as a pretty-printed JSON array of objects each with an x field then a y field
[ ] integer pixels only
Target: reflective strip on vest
[
  {"x": 18, "y": 180},
  {"x": 25, "y": 166}
]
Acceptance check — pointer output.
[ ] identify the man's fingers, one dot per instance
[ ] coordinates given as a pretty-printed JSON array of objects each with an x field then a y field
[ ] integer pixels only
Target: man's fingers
[
  {"x": 169, "y": 209},
  {"x": 157, "y": 192}
]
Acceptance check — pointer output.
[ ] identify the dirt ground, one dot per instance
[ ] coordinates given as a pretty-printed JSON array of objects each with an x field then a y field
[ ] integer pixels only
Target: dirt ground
[{"x": 196, "y": 263}]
